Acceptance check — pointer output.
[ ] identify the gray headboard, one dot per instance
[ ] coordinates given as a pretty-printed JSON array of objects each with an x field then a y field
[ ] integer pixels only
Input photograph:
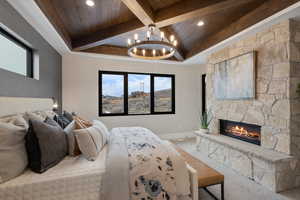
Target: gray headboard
[{"x": 16, "y": 105}]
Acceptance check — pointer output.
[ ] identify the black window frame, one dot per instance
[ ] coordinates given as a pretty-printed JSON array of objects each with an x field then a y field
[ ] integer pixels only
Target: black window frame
[
  {"x": 29, "y": 51},
  {"x": 125, "y": 75}
]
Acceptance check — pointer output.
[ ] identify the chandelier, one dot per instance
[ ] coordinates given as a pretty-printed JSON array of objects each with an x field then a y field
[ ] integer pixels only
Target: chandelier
[{"x": 155, "y": 46}]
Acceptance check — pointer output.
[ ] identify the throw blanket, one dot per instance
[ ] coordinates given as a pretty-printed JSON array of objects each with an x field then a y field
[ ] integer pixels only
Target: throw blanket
[{"x": 140, "y": 166}]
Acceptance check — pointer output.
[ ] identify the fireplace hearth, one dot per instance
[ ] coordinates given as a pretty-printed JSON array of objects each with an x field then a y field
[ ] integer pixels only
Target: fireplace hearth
[{"x": 242, "y": 131}]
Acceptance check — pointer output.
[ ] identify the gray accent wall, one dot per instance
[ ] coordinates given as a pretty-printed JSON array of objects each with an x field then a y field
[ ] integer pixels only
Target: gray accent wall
[{"x": 50, "y": 61}]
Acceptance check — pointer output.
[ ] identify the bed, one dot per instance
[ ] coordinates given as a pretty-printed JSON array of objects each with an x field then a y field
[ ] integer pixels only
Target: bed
[{"x": 74, "y": 178}]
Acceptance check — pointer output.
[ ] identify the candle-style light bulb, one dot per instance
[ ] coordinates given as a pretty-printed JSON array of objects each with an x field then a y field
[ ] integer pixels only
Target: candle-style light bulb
[
  {"x": 172, "y": 38},
  {"x": 136, "y": 36},
  {"x": 148, "y": 35},
  {"x": 164, "y": 50},
  {"x": 144, "y": 52},
  {"x": 129, "y": 41},
  {"x": 162, "y": 35},
  {"x": 153, "y": 52},
  {"x": 175, "y": 43},
  {"x": 134, "y": 49}
]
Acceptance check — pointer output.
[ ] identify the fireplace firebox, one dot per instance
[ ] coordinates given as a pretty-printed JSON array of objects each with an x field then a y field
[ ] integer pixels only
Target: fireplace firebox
[{"x": 242, "y": 131}]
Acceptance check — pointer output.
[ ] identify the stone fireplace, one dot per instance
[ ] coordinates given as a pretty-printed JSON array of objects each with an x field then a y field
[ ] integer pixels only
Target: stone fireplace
[
  {"x": 241, "y": 131},
  {"x": 264, "y": 142}
]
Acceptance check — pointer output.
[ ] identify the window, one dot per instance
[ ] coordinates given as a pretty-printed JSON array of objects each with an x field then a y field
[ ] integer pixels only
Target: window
[
  {"x": 123, "y": 93},
  {"x": 15, "y": 56},
  {"x": 139, "y": 94},
  {"x": 162, "y": 94}
]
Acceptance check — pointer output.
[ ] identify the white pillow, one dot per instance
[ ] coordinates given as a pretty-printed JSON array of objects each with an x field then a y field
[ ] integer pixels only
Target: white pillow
[
  {"x": 90, "y": 141},
  {"x": 102, "y": 127}
]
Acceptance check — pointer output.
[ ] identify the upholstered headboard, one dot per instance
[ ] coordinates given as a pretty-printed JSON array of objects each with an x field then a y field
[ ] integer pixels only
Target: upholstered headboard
[{"x": 16, "y": 105}]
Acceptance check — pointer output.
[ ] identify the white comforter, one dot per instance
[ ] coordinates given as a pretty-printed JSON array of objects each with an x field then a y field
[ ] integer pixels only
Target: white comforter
[
  {"x": 74, "y": 178},
  {"x": 141, "y": 166}
]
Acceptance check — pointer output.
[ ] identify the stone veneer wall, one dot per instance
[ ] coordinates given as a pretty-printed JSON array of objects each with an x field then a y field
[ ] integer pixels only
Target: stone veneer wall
[
  {"x": 276, "y": 107},
  {"x": 294, "y": 81}
]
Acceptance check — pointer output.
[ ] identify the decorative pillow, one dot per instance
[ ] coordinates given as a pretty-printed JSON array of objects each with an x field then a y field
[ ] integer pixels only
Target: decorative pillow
[
  {"x": 49, "y": 113},
  {"x": 62, "y": 121},
  {"x": 91, "y": 141},
  {"x": 13, "y": 157},
  {"x": 102, "y": 128},
  {"x": 68, "y": 115},
  {"x": 34, "y": 116},
  {"x": 72, "y": 143},
  {"x": 81, "y": 123},
  {"x": 46, "y": 144}
]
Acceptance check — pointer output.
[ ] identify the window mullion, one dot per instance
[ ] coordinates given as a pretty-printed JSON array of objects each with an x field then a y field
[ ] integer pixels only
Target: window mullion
[
  {"x": 126, "y": 93},
  {"x": 152, "y": 94}
]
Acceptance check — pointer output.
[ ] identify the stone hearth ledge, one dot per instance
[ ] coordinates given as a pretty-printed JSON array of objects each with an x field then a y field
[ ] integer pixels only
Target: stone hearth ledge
[{"x": 272, "y": 169}]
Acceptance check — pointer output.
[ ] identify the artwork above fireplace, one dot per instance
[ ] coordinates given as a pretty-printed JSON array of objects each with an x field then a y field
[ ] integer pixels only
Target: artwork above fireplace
[{"x": 246, "y": 132}]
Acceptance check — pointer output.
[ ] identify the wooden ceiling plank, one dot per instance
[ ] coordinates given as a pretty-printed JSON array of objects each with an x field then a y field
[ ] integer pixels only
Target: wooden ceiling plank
[
  {"x": 264, "y": 11},
  {"x": 108, "y": 49},
  {"x": 168, "y": 32},
  {"x": 141, "y": 9},
  {"x": 185, "y": 10},
  {"x": 103, "y": 36},
  {"x": 52, "y": 16}
]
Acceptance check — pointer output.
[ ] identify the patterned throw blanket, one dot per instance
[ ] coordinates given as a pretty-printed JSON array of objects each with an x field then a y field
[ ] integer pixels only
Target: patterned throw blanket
[{"x": 140, "y": 166}]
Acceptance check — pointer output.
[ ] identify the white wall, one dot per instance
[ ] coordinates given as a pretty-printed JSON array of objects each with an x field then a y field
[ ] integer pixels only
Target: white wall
[{"x": 80, "y": 92}]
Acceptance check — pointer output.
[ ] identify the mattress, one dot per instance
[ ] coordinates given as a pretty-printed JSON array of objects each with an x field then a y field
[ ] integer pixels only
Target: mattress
[{"x": 74, "y": 178}]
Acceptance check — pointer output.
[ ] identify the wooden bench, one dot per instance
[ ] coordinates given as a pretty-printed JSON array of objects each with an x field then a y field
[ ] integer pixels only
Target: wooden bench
[{"x": 206, "y": 175}]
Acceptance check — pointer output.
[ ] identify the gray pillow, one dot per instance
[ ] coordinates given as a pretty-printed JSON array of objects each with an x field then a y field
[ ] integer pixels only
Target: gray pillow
[
  {"x": 46, "y": 144},
  {"x": 13, "y": 157},
  {"x": 72, "y": 144},
  {"x": 90, "y": 141}
]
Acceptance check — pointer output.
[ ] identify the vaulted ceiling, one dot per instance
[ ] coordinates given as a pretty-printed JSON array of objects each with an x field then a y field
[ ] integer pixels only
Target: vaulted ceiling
[{"x": 104, "y": 28}]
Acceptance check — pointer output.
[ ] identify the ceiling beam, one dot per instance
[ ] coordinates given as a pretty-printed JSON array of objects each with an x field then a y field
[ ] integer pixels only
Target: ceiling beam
[
  {"x": 141, "y": 9},
  {"x": 262, "y": 12},
  {"x": 103, "y": 36},
  {"x": 185, "y": 10}
]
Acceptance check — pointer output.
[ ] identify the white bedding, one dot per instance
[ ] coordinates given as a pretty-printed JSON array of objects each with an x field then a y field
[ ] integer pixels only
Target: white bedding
[{"x": 74, "y": 178}]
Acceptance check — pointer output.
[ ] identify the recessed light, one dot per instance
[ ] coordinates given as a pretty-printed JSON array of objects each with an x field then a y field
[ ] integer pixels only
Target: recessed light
[
  {"x": 200, "y": 23},
  {"x": 90, "y": 3}
]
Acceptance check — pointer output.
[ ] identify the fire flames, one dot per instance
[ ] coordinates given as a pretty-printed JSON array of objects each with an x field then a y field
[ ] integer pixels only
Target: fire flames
[{"x": 241, "y": 131}]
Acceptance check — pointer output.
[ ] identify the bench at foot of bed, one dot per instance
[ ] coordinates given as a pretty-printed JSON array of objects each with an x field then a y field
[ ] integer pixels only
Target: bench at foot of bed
[{"x": 207, "y": 176}]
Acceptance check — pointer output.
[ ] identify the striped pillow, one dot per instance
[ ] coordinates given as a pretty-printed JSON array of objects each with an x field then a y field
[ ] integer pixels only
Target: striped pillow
[{"x": 90, "y": 141}]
